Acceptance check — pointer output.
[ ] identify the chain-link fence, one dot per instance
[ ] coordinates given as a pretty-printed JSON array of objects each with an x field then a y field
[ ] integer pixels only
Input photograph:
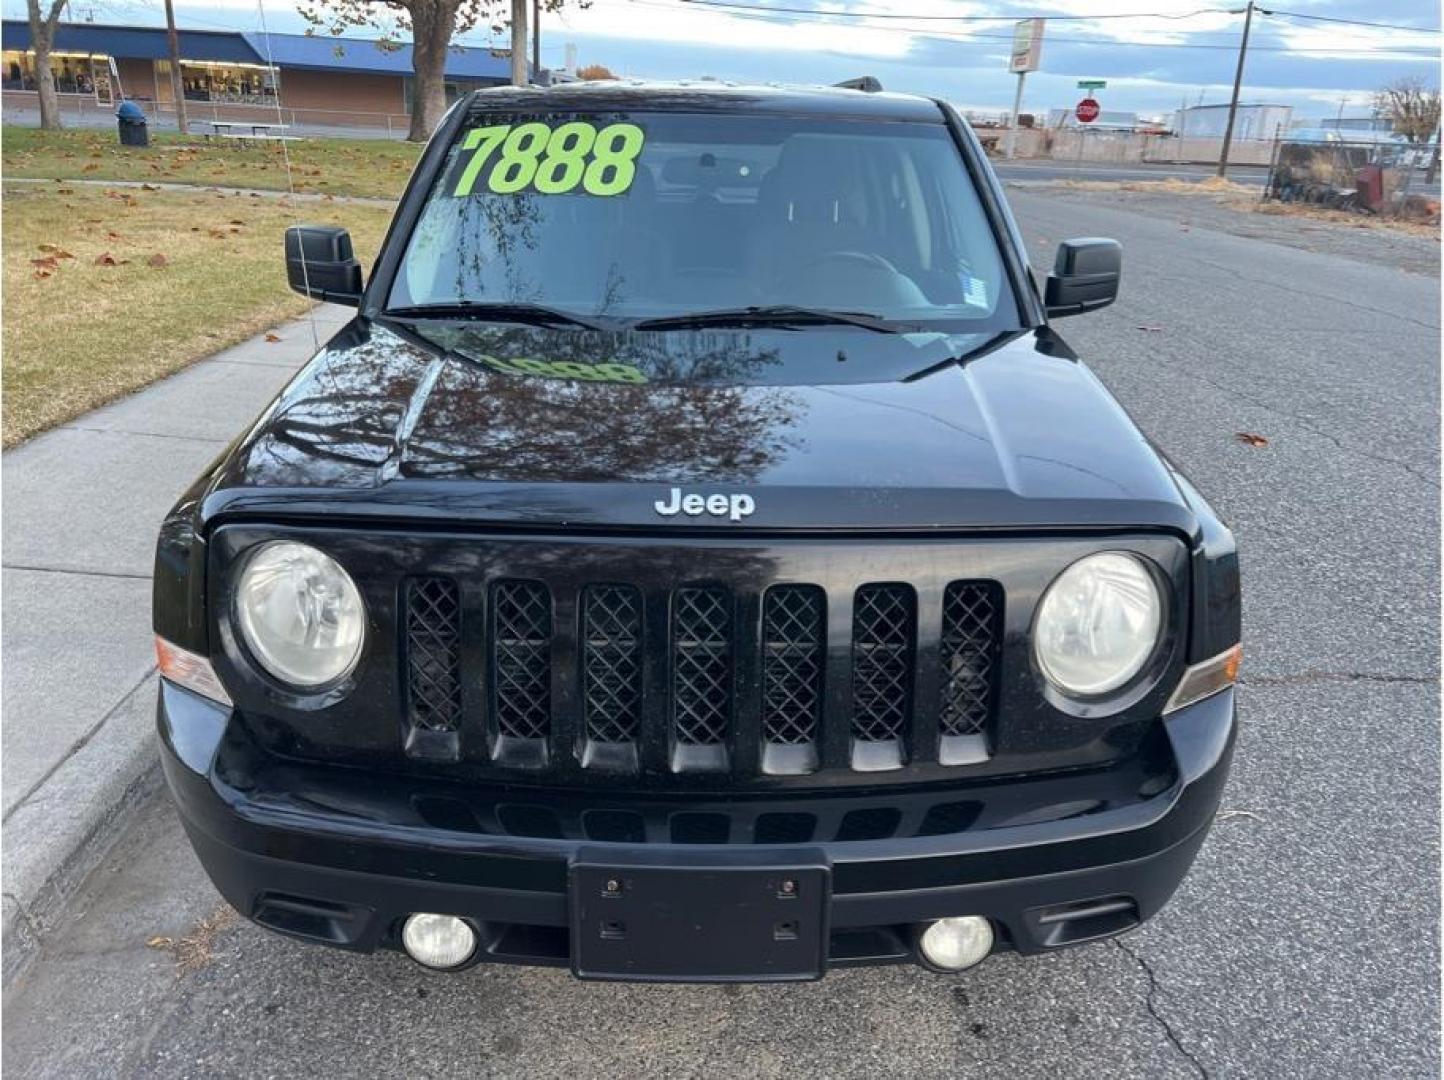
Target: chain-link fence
[{"x": 1385, "y": 178}]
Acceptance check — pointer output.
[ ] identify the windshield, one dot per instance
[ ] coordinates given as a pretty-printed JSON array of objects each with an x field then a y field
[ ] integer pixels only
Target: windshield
[{"x": 651, "y": 215}]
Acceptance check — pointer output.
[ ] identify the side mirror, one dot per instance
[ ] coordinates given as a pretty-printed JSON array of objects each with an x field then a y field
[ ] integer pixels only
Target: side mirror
[
  {"x": 320, "y": 264},
  {"x": 1084, "y": 278}
]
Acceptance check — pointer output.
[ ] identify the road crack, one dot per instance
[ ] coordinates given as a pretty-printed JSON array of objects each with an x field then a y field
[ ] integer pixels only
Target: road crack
[
  {"x": 1150, "y": 1001},
  {"x": 1308, "y": 678}
]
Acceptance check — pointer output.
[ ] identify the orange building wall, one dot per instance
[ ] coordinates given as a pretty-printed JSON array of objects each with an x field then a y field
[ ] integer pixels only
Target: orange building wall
[{"x": 321, "y": 90}]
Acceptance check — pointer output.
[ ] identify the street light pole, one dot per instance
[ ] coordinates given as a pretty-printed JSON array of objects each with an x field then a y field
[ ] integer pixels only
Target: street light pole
[
  {"x": 536, "y": 38},
  {"x": 1237, "y": 82}
]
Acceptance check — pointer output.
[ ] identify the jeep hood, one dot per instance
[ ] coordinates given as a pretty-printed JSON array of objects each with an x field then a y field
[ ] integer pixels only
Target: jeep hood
[{"x": 823, "y": 429}]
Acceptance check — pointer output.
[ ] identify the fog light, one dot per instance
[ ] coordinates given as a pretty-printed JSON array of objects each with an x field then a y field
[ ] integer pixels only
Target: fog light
[
  {"x": 438, "y": 941},
  {"x": 956, "y": 944}
]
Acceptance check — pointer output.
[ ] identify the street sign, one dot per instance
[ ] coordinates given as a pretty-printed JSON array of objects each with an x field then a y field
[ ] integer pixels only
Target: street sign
[
  {"x": 1087, "y": 111},
  {"x": 1027, "y": 46},
  {"x": 1092, "y": 84}
]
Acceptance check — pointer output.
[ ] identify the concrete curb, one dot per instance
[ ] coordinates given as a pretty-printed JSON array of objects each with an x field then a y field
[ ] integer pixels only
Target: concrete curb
[
  {"x": 62, "y": 831},
  {"x": 80, "y": 687}
]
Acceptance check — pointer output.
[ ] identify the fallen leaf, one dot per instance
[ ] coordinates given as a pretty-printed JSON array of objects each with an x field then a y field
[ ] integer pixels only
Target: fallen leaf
[
  {"x": 107, "y": 259},
  {"x": 47, "y": 263},
  {"x": 237, "y": 221},
  {"x": 159, "y": 942},
  {"x": 55, "y": 250},
  {"x": 44, "y": 273},
  {"x": 273, "y": 337},
  {"x": 111, "y": 234},
  {"x": 219, "y": 234},
  {"x": 92, "y": 167},
  {"x": 157, "y": 260},
  {"x": 148, "y": 187},
  {"x": 1250, "y": 439},
  {"x": 66, "y": 190}
]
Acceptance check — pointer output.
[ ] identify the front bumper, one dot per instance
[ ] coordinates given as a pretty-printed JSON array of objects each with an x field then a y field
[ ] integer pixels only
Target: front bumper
[{"x": 344, "y": 873}]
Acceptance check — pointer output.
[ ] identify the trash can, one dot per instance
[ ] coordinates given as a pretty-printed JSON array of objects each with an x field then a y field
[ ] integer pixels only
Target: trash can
[{"x": 132, "y": 124}]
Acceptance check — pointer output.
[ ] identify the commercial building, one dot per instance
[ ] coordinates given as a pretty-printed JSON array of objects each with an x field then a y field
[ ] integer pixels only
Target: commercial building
[
  {"x": 232, "y": 74},
  {"x": 1252, "y": 121}
]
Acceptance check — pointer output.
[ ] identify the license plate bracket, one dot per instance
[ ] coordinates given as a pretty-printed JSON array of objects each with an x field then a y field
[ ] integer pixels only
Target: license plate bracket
[{"x": 698, "y": 923}]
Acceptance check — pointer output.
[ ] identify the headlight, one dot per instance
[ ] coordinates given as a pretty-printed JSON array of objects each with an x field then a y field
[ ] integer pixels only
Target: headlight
[
  {"x": 300, "y": 614},
  {"x": 1097, "y": 624}
]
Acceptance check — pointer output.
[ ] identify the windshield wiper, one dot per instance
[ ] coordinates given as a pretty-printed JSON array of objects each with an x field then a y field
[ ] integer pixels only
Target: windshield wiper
[
  {"x": 498, "y": 311},
  {"x": 773, "y": 315}
]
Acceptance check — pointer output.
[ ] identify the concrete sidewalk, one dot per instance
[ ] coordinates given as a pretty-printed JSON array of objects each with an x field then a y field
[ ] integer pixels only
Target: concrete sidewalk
[{"x": 82, "y": 504}]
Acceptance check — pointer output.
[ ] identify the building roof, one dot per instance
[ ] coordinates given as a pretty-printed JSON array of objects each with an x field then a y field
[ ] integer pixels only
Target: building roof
[
  {"x": 296, "y": 51},
  {"x": 1241, "y": 105},
  {"x": 135, "y": 42},
  {"x": 327, "y": 53}
]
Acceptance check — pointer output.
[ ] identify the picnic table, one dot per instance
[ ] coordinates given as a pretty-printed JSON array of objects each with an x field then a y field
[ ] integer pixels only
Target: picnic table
[{"x": 223, "y": 129}]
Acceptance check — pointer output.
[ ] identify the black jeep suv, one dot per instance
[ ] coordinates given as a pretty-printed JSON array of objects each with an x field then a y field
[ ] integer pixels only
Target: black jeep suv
[{"x": 699, "y": 559}]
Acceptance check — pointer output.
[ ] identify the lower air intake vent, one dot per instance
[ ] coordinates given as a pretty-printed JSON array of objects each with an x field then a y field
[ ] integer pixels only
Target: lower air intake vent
[
  {"x": 884, "y": 634},
  {"x": 701, "y": 677},
  {"x": 972, "y": 628},
  {"x": 433, "y": 653},
  {"x": 793, "y": 640},
  {"x": 521, "y": 633}
]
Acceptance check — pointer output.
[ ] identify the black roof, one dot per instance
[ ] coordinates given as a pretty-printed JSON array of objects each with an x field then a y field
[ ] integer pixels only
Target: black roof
[{"x": 707, "y": 96}]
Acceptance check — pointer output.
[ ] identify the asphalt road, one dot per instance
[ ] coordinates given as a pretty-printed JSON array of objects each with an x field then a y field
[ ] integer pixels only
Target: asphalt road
[{"x": 1304, "y": 942}]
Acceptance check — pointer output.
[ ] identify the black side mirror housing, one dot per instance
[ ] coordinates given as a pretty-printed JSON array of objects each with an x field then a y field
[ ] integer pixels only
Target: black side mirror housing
[
  {"x": 320, "y": 264},
  {"x": 1085, "y": 276}
]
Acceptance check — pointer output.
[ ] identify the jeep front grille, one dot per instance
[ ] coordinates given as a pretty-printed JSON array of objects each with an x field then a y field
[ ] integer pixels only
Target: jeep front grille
[
  {"x": 972, "y": 611},
  {"x": 521, "y": 637},
  {"x": 794, "y": 643},
  {"x": 702, "y": 678},
  {"x": 884, "y": 634},
  {"x": 612, "y": 664},
  {"x": 433, "y": 653}
]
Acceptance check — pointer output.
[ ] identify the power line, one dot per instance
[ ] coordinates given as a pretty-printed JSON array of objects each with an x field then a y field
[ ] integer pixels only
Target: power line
[
  {"x": 1351, "y": 22},
  {"x": 985, "y": 40},
  {"x": 765, "y": 9}
]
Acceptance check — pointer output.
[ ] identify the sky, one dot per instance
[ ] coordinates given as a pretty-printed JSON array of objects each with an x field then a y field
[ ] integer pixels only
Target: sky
[{"x": 957, "y": 49}]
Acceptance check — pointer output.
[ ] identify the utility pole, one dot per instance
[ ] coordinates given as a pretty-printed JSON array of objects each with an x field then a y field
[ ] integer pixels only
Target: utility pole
[
  {"x": 518, "y": 42},
  {"x": 536, "y": 38},
  {"x": 177, "y": 87},
  {"x": 1237, "y": 82}
]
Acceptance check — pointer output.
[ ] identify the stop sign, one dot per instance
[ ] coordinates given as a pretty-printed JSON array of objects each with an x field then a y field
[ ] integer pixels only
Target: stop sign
[{"x": 1087, "y": 111}]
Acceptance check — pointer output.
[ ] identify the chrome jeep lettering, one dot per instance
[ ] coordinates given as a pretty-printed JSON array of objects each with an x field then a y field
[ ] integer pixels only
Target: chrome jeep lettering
[{"x": 735, "y": 507}]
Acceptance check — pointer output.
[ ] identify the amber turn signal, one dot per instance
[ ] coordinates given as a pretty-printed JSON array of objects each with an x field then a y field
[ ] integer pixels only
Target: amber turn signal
[{"x": 1205, "y": 679}]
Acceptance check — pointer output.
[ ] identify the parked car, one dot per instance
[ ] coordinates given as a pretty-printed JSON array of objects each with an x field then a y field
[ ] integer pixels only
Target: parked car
[{"x": 700, "y": 558}]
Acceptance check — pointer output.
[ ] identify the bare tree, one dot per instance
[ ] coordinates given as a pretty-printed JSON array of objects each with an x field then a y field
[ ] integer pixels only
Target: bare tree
[
  {"x": 1412, "y": 105},
  {"x": 431, "y": 23},
  {"x": 42, "y": 40}
]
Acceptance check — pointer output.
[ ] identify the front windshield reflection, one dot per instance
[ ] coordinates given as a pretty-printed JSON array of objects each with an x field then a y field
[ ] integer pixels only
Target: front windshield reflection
[{"x": 724, "y": 211}]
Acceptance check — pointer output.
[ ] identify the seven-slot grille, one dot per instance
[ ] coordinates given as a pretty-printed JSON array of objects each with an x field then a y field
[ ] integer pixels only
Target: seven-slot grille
[{"x": 715, "y": 643}]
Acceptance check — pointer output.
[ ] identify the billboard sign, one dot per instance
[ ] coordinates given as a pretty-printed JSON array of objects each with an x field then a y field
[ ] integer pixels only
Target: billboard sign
[{"x": 1027, "y": 46}]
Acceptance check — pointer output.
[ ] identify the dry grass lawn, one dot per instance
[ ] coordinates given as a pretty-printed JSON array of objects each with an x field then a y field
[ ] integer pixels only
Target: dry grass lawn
[
  {"x": 108, "y": 290},
  {"x": 1248, "y": 200},
  {"x": 371, "y": 167}
]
